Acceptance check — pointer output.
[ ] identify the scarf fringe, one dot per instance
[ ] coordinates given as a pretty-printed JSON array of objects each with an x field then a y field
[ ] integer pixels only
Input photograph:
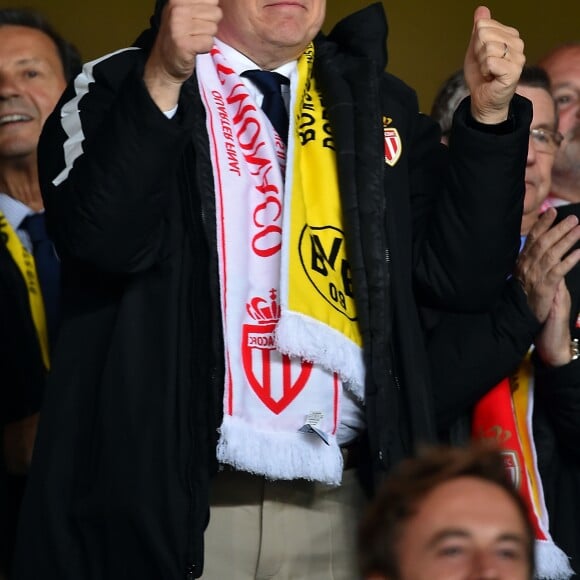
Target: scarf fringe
[
  {"x": 278, "y": 454},
  {"x": 301, "y": 336},
  {"x": 551, "y": 562}
]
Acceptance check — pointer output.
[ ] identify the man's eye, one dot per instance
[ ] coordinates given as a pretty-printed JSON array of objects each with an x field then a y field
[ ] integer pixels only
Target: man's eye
[
  {"x": 448, "y": 551},
  {"x": 30, "y": 74},
  {"x": 510, "y": 554},
  {"x": 563, "y": 100}
]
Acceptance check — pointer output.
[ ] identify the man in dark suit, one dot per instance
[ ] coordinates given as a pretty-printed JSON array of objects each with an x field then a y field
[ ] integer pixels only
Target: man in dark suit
[{"x": 35, "y": 64}]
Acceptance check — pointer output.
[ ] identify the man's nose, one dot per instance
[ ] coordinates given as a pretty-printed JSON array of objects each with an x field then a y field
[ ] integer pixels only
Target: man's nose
[
  {"x": 8, "y": 87},
  {"x": 484, "y": 566}
]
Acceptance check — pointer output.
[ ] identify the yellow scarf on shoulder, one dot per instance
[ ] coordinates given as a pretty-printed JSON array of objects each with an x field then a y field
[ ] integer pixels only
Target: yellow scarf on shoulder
[{"x": 25, "y": 262}]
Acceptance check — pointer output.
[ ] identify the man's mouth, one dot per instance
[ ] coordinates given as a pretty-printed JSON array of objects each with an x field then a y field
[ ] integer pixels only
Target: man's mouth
[
  {"x": 14, "y": 118},
  {"x": 284, "y": 4}
]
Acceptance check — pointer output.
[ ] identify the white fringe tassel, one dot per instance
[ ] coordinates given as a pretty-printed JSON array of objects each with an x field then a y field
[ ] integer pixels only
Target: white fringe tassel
[
  {"x": 277, "y": 454},
  {"x": 301, "y": 336},
  {"x": 551, "y": 562}
]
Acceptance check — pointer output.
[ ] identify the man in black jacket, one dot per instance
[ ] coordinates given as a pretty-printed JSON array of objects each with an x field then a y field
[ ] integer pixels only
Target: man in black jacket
[
  {"x": 35, "y": 64},
  {"x": 218, "y": 265},
  {"x": 470, "y": 354}
]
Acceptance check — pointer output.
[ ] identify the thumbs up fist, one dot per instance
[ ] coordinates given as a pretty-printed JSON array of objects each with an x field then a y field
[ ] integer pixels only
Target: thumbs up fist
[
  {"x": 187, "y": 28},
  {"x": 492, "y": 67}
]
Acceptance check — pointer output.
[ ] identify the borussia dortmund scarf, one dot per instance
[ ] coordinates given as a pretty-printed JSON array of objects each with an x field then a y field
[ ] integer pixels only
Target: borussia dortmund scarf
[
  {"x": 504, "y": 415},
  {"x": 291, "y": 337},
  {"x": 25, "y": 262}
]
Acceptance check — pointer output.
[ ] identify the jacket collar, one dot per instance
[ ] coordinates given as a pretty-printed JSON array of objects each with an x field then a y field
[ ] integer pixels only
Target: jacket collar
[{"x": 364, "y": 34}]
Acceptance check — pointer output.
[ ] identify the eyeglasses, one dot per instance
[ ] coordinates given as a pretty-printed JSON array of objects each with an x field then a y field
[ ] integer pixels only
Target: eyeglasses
[{"x": 546, "y": 141}]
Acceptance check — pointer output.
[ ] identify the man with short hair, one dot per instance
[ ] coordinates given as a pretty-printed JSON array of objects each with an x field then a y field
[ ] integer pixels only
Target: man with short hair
[
  {"x": 35, "y": 65},
  {"x": 248, "y": 212},
  {"x": 448, "y": 513}
]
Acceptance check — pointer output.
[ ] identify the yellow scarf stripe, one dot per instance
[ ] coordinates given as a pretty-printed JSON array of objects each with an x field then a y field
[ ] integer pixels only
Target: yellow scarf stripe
[
  {"x": 520, "y": 385},
  {"x": 27, "y": 267},
  {"x": 319, "y": 268}
]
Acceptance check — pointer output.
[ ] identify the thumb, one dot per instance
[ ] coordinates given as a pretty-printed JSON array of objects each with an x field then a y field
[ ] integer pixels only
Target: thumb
[{"x": 480, "y": 13}]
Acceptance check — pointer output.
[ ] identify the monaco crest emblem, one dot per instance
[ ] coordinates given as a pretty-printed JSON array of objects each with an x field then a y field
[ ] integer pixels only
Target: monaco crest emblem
[
  {"x": 512, "y": 466},
  {"x": 393, "y": 145},
  {"x": 275, "y": 378}
]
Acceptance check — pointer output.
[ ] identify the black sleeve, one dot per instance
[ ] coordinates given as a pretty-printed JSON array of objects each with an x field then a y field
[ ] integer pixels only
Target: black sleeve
[
  {"x": 470, "y": 353},
  {"x": 105, "y": 157},
  {"x": 558, "y": 388},
  {"x": 467, "y": 207},
  {"x": 558, "y": 393}
]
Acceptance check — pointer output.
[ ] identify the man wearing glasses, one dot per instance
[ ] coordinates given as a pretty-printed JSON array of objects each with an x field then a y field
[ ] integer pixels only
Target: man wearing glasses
[
  {"x": 537, "y": 309},
  {"x": 544, "y": 142}
]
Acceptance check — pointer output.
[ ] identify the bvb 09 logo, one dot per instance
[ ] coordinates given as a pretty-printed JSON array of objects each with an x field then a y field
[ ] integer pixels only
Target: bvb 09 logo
[{"x": 323, "y": 257}]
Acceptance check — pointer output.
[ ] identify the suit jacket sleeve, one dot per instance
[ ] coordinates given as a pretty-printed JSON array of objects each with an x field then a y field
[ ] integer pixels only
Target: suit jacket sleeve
[
  {"x": 105, "y": 155},
  {"x": 466, "y": 234},
  {"x": 558, "y": 393},
  {"x": 470, "y": 353}
]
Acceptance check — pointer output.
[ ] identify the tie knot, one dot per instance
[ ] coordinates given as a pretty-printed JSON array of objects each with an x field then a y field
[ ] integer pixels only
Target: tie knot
[
  {"x": 35, "y": 226},
  {"x": 267, "y": 81}
]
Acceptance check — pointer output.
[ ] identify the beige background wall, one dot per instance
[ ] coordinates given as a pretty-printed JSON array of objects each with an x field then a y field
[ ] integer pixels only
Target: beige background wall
[{"x": 426, "y": 42}]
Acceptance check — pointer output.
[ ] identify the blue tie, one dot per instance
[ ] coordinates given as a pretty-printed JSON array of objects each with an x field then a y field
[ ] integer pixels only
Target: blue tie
[
  {"x": 47, "y": 268},
  {"x": 273, "y": 105}
]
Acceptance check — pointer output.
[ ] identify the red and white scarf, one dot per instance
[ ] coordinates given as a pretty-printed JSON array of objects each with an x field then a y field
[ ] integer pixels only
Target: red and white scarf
[
  {"x": 504, "y": 415},
  {"x": 291, "y": 338}
]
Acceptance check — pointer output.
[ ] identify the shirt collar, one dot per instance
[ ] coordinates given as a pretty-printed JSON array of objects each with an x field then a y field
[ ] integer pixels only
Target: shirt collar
[
  {"x": 241, "y": 63},
  {"x": 14, "y": 211}
]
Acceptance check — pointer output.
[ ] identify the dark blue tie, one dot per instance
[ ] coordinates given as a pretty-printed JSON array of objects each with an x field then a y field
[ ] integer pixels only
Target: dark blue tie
[
  {"x": 47, "y": 268},
  {"x": 273, "y": 105}
]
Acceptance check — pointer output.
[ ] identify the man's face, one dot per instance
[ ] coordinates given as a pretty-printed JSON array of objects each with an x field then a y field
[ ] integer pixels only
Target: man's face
[
  {"x": 31, "y": 82},
  {"x": 563, "y": 68},
  {"x": 270, "y": 32},
  {"x": 465, "y": 528},
  {"x": 540, "y": 154}
]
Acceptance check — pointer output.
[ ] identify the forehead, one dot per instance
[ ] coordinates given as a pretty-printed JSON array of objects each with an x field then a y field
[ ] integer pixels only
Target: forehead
[
  {"x": 563, "y": 65},
  {"x": 544, "y": 112},
  {"x": 472, "y": 503},
  {"x": 21, "y": 43}
]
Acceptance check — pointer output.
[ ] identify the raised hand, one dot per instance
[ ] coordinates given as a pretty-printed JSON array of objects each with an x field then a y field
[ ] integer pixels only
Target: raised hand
[
  {"x": 492, "y": 67},
  {"x": 187, "y": 28},
  {"x": 541, "y": 266}
]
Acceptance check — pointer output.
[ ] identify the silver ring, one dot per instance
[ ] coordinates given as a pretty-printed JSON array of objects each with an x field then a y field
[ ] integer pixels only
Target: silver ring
[{"x": 506, "y": 49}]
